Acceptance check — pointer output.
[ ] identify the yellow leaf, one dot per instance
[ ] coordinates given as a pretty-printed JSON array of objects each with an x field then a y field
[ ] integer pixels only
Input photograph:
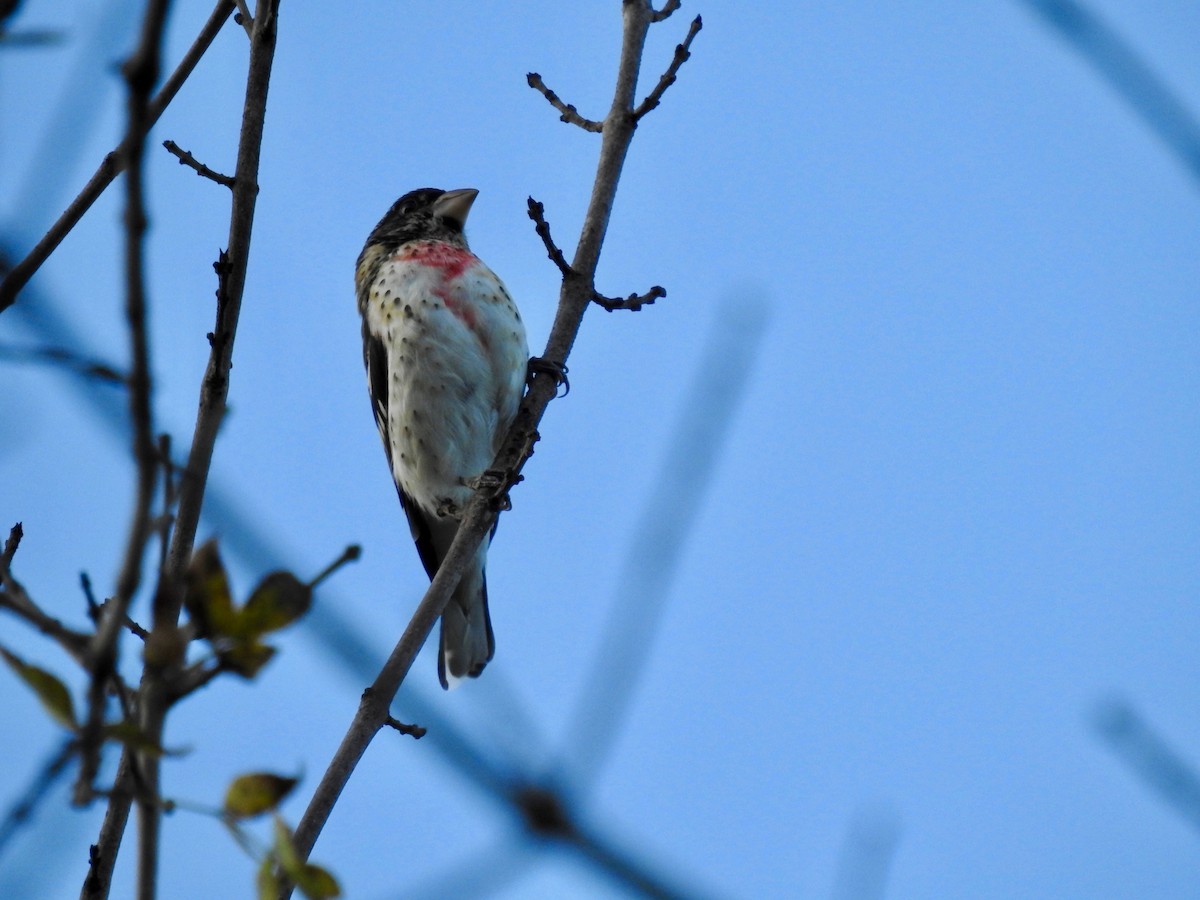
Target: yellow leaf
[
  {"x": 208, "y": 599},
  {"x": 279, "y": 600},
  {"x": 246, "y": 658},
  {"x": 50, "y": 691},
  {"x": 316, "y": 883},
  {"x": 256, "y": 793}
]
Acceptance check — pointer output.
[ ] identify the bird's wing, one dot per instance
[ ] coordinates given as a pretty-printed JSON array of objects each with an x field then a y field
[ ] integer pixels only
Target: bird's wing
[{"x": 375, "y": 357}]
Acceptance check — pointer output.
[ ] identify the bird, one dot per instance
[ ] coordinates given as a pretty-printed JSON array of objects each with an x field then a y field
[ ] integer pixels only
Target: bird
[{"x": 446, "y": 358}]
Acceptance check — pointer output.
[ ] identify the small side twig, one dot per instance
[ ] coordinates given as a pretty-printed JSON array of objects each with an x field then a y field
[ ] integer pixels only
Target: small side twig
[
  {"x": 682, "y": 55},
  {"x": 10, "y": 548},
  {"x": 113, "y": 163},
  {"x": 633, "y": 302},
  {"x": 570, "y": 114},
  {"x": 16, "y": 600},
  {"x": 22, "y": 810},
  {"x": 243, "y": 17},
  {"x": 141, "y": 71},
  {"x": 669, "y": 7},
  {"x": 68, "y": 359},
  {"x": 415, "y": 730},
  {"x": 537, "y": 212},
  {"x": 187, "y": 159},
  {"x": 350, "y": 554}
]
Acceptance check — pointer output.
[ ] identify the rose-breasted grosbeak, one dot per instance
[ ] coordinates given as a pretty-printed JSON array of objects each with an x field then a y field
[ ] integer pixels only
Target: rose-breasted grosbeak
[{"x": 446, "y": 361}]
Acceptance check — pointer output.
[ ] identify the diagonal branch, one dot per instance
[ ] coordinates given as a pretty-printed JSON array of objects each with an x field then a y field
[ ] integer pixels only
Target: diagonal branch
[
  {"x": 113, "y": 164},
  {"x": 214, "y": 391},
  {"x": 141, "y": 72},
  {"x": 68, "y": 359},
  {"x": 570, "y": 114},
  {"x": 186, "y": 159},
  {"x": 537, "y": 212},
  {"x": 1116, "y": 60},
  {"x": 16, "y": 600},
  {"x": 659, "y": 538},
  {"x": 682, "y": 55},
  {"x": 575, "y": 297},
  {"x": 23, "y": 809}
]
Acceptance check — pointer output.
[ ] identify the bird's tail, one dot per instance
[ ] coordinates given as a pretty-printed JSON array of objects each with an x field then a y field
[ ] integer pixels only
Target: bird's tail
[{"x": 467, "y": 642}]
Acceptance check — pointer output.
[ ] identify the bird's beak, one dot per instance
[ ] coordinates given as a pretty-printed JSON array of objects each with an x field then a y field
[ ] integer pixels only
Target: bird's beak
[{"x": 455, "y": 205}]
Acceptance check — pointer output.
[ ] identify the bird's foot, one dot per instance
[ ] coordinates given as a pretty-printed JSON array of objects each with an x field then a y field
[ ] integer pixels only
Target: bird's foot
[
  {"x": 494, "y": 481},
  {"x": 557, "y": 371}
]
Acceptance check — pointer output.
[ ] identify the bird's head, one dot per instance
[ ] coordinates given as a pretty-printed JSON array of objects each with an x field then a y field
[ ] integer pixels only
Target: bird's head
[{"x": 426, "y": 214}]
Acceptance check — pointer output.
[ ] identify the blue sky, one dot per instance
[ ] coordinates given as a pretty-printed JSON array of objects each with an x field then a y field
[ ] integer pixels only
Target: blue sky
[{"x": 955, "y": 508}]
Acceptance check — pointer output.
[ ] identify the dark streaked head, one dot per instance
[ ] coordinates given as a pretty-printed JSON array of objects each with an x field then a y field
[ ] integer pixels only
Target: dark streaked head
[{"x": 426, "y": 214}]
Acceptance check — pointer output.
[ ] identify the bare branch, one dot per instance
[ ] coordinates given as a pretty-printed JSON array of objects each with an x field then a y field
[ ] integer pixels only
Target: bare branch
[
  {"x": 214, "y": 391},
  {"x": 350, "y": 554},
  {"x": 69, "y": 359},
  {"x": 575, "y": 296},
  {"x": 659, "y": 537},
  {"x": 665, "y": 13},
  {"x": 16, "y": 600},
  {"x": 415, "y": 730},
  {"x": 243, "y": 18},
  {"x": 186, "y": 159},
  {"x": 569, "y": 113},
  {"x": 141, "y": 72},
  {"x": 51, "y": 770},
  {"x": 231, "y": 279},
  {"x": 1160, "y": 766},
  {"x": 537, "y": 213},
  {"x": 112, "y": 165},
  {"x": 102, "y": 856},
  {"x": 1117, "y": 61},
  {"x": 633, "y": 302},
  {"x": 682, "y": 55},
  {"x": 11, "y": 543}
]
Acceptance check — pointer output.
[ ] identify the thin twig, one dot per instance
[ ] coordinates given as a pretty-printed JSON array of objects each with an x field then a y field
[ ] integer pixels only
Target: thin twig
[
  {"x": 166, "y": 518},
  {"x": 156, "y": 682},
  {"x": 1159, "y": 765},
  {"x": 350, "y": 554},
  {"x": 575, "y": 296},
  {"x": 112, "y": 165},
  {"x": 415, "y": 730},
  {"x": 682, "y": 55},
  {"x": 16, "y": 599},
  {"x": 186, "y": 159},
  {"x": 102, "y": 856},
  {"x": 669, "y": 7},
  {"x": 69, "y": 359},
  {"x": 243, "y": 18},
  {"x": 1117, "y": 61},
  {"x": 11, "y": 543},
  {"x": 141, "y": 73},
  {"x": 659, "y": 537},
  {"x": 22, "y": 811},
  {"x": 537, "y": 212},
  {"x": 633, "y": 302},
  {"x": 569, "y": 113}
]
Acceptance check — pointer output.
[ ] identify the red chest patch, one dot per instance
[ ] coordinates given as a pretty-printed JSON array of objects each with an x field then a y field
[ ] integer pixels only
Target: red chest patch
[{"x": 453, "y": 261}]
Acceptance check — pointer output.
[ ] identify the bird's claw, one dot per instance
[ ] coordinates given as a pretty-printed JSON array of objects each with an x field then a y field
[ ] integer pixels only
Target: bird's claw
[
  {"x": 557, "y": 371},
  {"x": 491, "y": 481}
]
